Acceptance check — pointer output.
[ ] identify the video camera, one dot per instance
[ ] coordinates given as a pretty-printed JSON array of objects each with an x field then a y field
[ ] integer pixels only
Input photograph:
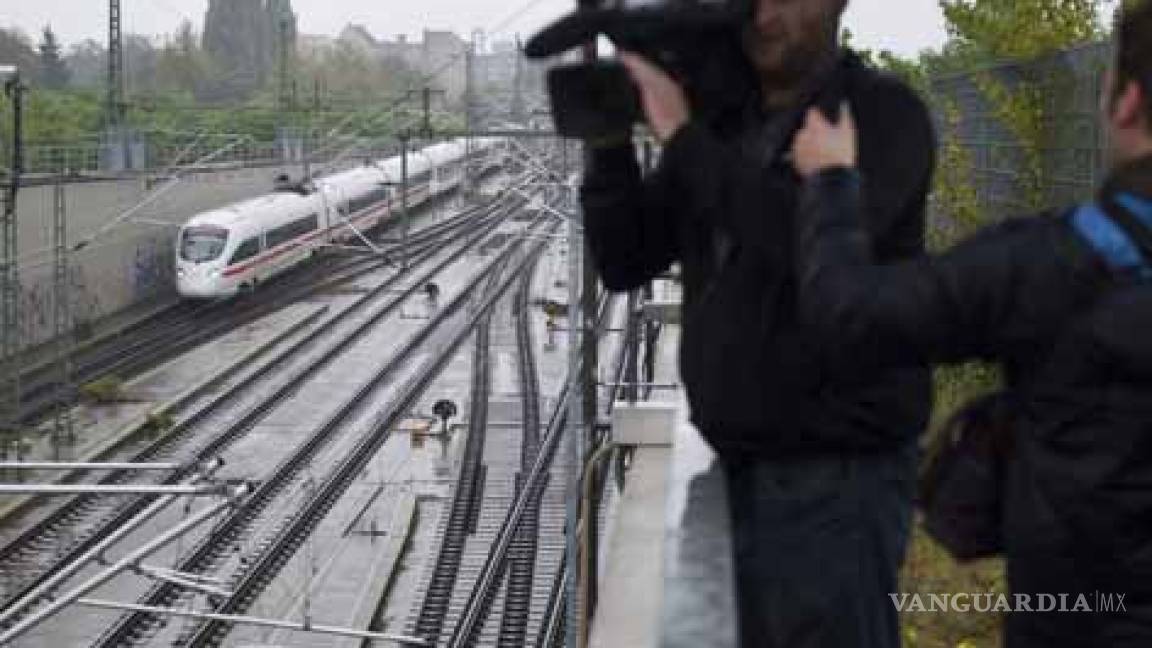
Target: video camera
[{"x": 696, "y": 41}]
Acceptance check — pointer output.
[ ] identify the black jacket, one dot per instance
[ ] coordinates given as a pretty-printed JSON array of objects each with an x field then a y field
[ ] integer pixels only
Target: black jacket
[
  {"x": 1074, "y": 333},
  {"x": 754, "y": 381}
]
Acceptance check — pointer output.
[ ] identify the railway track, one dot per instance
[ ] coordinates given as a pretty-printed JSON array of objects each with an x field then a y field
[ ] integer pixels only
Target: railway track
[
  {"x": 186, "y": 324},
  {"x": 511, "y": 571},
  {"x": 522, "y": 552},
  {"x": 100, "y": 515},
  {"x": 466, "y": 497},
  {"x": 459, "y": 531},
  {"x": 278, "y": 549},
  {"x": 553, "y": 622}
]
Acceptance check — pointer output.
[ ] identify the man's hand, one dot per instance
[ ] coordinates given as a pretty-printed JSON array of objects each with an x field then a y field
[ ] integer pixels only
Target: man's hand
[
  {"x": 665, "y": 105},
  {"x": 821, "y": 145}
]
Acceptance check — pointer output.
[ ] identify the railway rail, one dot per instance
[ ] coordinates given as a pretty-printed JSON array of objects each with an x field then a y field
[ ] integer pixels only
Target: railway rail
[
  {"x": 506, "y": 568},
  {"x": 186, "y": 324},
  {"x": 277, "y": 550},
  {"x": 101, "y": 515}
]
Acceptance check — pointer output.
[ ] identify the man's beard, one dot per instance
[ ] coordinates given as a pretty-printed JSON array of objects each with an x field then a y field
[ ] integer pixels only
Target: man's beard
[{"x": 796, "y": 65}]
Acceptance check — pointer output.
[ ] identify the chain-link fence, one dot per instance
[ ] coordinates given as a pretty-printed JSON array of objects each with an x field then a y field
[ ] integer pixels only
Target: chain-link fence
[{"x": 1071, "y": 163}]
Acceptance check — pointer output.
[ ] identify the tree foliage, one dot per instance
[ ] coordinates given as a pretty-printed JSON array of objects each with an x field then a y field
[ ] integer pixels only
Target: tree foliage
[
  {"x": 984, "y": 33},
  {"x": 16, "y": 49},
  {"x": 87, "y": 64},
  {"x": 1021, "y": 29},
  {"x": 184, "y": 69}
]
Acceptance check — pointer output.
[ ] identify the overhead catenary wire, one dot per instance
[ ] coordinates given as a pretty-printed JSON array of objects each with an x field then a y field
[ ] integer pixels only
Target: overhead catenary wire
[{"x": 333, "y": 134}]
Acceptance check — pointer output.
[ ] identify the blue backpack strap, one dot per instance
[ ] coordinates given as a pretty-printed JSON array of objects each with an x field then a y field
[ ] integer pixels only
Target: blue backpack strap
[
  {"x": 1139, "y": 207},
  {"x": 1110, "y": 241}
]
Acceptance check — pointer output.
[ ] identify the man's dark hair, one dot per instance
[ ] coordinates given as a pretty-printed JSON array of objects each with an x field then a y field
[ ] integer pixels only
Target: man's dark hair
[{"x": 1134, "y": 50}]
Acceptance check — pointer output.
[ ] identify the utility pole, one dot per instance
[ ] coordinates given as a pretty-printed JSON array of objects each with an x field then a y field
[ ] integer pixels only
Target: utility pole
[
  {"x": 404, "y": 215},
  {"x": 283, "y": 85},
  {"x": 469, "y": 114},
  {"x": 590, "y": 365},
  {"x": 63, "y": 432},
  {"x": 9, "y": 268},
  {"x": 117, "y": 106},
  {"x": 426, "y": 105},
  {"x": 582, "y": 295},
  {"x": 426, "y": 94},
  {"x": 517, "y": 81}
]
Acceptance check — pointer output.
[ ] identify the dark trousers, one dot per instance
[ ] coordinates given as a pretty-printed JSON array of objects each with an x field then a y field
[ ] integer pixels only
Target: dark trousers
[{"x": 819, "y": 543}]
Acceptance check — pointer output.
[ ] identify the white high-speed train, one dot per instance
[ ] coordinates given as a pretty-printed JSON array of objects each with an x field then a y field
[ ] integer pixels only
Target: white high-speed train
[{"x": 235, "y": 248}]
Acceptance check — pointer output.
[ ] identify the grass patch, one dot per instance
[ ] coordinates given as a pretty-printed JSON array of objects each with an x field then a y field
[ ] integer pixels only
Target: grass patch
[
  {"x": 928, "y": 569},
  {"x": 157, "y": 423},
  {"x": 109, "y": 389}
]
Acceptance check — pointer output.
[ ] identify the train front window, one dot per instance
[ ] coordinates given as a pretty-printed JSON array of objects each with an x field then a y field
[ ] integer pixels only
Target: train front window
[{"x": 202, "y": 243}]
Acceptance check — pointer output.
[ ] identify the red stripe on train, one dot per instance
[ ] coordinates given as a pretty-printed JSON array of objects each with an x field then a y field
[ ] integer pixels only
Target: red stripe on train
[{"x": 232, "y": 271}]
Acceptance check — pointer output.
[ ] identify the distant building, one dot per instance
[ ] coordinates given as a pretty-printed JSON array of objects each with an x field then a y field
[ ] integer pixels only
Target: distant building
[
  {"x": 506, "y": 78},
  {"x": 445, "y": 56},
  {"x": 401, "y": 49},
  {"x": 497, "y": 68},
  {"x": 360, "y": 39},
  {"x": 314, "y": 46},
  {"x": 439, "y": 55}
]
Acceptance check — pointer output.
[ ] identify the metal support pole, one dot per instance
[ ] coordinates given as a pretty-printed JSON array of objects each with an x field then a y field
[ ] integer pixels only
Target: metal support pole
[
  {"x": 587, "y": 567},
  {"x": 426, "y": 104},
  {"x": 63, "y": 433},
  {"x": 636, "y": 322},
  {"x": 589, "y": 368},
  {"x": 284, "y": 52},
  {"x": 575, "y": 444},
  {"x": 109, "y": 489},
  {"x": 632, "y": 349},
  {"x": 517, "y": 110},
  {"x": 404, "y": 214},
  {"x": 77, "y": 465},
  {"x": 9, "y": 267},
  {"x": 257, "y": 621},
  {"x": 117, "y": 108},
  {"x": 157, "y": 543},
  {"x": 469, "y": 117},
  {"x": 196, "y": 578},
  {"x": 83, "y": 561},
  {"x": 176, "y": 578}
]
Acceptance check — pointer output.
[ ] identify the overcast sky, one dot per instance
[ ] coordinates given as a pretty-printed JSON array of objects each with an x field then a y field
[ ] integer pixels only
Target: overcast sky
[{"x": 904, "y": 26}]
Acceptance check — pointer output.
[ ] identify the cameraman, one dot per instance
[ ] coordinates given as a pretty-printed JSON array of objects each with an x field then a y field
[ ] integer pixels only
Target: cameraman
[{"x": 820, "y": 467}]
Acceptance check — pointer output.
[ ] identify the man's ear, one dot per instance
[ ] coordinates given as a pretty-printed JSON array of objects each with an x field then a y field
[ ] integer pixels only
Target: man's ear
[{"x": 1129, "y": 105}]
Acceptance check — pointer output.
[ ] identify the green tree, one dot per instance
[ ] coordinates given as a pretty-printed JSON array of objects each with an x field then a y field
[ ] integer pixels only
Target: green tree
[
  {"x": 88, "y": 64},
  {"x": 1020, "y": 29},
  {"x": 183, "y": 67},
  {"x": 16, "y": 49},
  {"x": 52, "y": 73},
  {"x": 847, "y": 39}
]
